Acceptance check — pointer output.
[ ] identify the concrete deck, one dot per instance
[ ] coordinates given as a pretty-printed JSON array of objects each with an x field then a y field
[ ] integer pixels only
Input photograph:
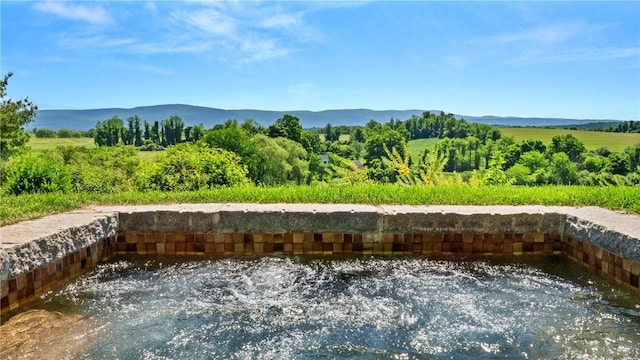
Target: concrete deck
[{"x": 30, "y": 243}]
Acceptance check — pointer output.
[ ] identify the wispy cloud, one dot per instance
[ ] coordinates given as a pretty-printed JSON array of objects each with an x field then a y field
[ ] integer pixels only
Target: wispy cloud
[
  {"x": 576, "y": 54},
  {"x": 555, "y": 43},
  {"x": 248, "y": 31},
  {"x": 236, "y": 31},
  {"x": 547, "y": 34},
  {"x": 90, "y": 13}
]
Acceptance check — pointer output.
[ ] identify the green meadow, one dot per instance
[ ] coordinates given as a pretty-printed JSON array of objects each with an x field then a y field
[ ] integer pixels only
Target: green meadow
[
  {"x": 416, "y": 147},
  {"x": 42, "y": 144},
  {"x": 623, "y": 198},
  {"x": 591, "y": 139}
]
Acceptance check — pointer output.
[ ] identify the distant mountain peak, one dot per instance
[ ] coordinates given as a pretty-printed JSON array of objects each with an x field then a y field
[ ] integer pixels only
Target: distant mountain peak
[{"x": 207, "y": 116}]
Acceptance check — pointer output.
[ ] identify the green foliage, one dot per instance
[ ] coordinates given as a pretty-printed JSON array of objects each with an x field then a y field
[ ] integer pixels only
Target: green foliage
[
  {"x": 100, "y": 170},
  {"x": 380, "y": 138},
  {"x": 447, "y": 126},
  {"x": 43, "y": 133},
  {"x": 187, "y": 167},
  {"x": 172, "y": 131},
  {"x": 591, "y": 139},
  {"x": 533, "y": 160},
  {"x": 567, "y": 144},
  {"x": 626, "y": 127},
  {"x": 562, "y": 170},
  {"x": 281, "y": 161},
  {"x": 495, "y": 174},
  {"x": 68, "y": 133},
  {"x": 619, "y": 164},
  {"x": 288, "y": 126},
  {"x": 595, "y": 163},
  {"x": 29, "y": 174},
  {"x": 341, "y": 171},
  {"x": 625, "y": 198},
  {"x": 109, "y": 132},
  {"x": 232, "y": 137},
  {"x": 311, "y": 142},
  {"x": 14, "y": 115}
]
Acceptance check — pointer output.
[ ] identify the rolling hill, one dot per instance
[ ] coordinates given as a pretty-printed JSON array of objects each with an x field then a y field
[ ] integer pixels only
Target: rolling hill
[{"x": 192, "y": 115}]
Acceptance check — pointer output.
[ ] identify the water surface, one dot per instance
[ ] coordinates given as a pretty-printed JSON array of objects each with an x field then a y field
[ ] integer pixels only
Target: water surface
[{"x": 366, "y": 308}]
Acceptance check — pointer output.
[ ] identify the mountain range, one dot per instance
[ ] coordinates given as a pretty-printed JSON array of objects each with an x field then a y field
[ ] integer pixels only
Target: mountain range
[{"x": 193, "y": 115}]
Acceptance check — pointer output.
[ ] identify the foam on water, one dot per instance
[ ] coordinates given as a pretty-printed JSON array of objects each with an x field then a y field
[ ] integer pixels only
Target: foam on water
[{"x": 404, "y": 308}]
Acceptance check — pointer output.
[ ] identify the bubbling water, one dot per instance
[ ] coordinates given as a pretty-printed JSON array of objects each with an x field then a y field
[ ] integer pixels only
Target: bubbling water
[{"x": 368, "y": 308}]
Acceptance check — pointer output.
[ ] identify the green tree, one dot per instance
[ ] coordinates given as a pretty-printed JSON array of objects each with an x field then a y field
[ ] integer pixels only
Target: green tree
[
  {"x": 232, "y": 137},
  {"x": 45, "y": 133},
  {"x": 281, "y": 161},
  {"x": 562, "y": 170},
  {"x": 288, "y": 126},
  {"x": 595, "y": 163},
  {"x": 189, "y": 167},
  {"x": 14, "y": 115},
  {"x": 109, "y": 132},
  {"x": 331, "y": 133},
  {"x": 30, "y": 174},
  {"x": 311, "y": 142},
  {"x": 194, "y": 133},
  {"x": 68, "y": 133},
  {"x": 567, "y": 144},
  {"x": 533, "y": 160},
  {"x": 383, "y": 137},
  {"x": 618, "y": 164},
  {"x": 357, "y": 134},
  {"x": 137, "y": 132},
  {"x": 173, "y": 129}
]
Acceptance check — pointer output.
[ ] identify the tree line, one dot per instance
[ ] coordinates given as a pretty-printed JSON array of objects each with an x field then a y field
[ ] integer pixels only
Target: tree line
[
  {"x": 245, "y": 152},
  {"x": 140, "y": 133}
]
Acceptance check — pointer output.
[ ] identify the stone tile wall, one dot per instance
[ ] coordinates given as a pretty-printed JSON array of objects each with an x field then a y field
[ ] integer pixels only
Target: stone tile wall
[
  {"x": 427, "y": 244},
  {"x": 25, "y": 287},
  {"x": 26, "y": 272}
]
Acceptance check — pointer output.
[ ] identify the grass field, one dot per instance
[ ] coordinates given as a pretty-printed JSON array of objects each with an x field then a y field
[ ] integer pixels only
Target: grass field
[
  {"x": 30, "y": 206},
  {"x": 591, "y": 139},
  {"x": 416, "y": 147},
  {"x": 41, "y": 144}
]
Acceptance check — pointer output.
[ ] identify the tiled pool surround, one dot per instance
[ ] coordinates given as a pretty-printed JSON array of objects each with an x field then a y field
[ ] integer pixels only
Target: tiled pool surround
[{"x": 38, "y": 255}]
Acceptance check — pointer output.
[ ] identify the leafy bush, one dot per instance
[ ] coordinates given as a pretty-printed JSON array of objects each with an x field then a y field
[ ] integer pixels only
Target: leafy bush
[
  {"x": 101, "y": 170},
  {"x": 36, "y": 175},
  {"x": 150, "y": 146},
  {"x": 68, "y": 133},
  {"x": 187, "y": 167},
  {"x": 45, "y": 133}
]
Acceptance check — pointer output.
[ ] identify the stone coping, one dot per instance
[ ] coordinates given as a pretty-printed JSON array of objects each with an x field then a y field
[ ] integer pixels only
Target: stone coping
[{"x": 29, "y": 244}]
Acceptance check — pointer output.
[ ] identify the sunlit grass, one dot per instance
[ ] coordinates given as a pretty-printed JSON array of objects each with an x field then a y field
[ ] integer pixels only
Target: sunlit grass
[
  {"x": 24, "y": 207},
  {"x": 591, "y": 139},
  {"x": 417, "y": 147},
  {"x": 42, "y": 144}
]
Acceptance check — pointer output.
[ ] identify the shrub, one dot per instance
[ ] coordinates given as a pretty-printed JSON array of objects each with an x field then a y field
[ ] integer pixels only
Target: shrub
[
  {"x": 34, "y": 175},
  {"x": 188, "y": 167},
  {"x": 100, "y": 170},
  {"x": 68, "y": 133},
  {"x": 46, "y": 133}
]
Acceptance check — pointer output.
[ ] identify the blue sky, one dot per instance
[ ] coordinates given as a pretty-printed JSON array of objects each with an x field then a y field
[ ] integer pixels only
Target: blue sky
[{"x": 531, "y": 59}]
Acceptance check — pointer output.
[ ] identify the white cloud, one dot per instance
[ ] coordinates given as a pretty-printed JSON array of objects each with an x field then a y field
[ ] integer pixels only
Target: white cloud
[
  {"x": 244, "y": 31},
  {"x": 93, "y": 14},
  {"x": 210, "y": 21},
  {"x": 549, "y": 34},
  {"x": 555, "y": 43},
  {"x": 73, "y": 41},
  {"x": 233, "y": 31},
  {"x": 281, "y": 21}
]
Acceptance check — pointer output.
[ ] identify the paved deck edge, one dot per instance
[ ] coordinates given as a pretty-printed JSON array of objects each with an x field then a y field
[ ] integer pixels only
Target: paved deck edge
[{"x": 27, "y": 245}]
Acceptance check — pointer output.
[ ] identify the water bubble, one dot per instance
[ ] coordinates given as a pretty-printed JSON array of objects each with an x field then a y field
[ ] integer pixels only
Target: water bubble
[{"x": 282, "y": 308}]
